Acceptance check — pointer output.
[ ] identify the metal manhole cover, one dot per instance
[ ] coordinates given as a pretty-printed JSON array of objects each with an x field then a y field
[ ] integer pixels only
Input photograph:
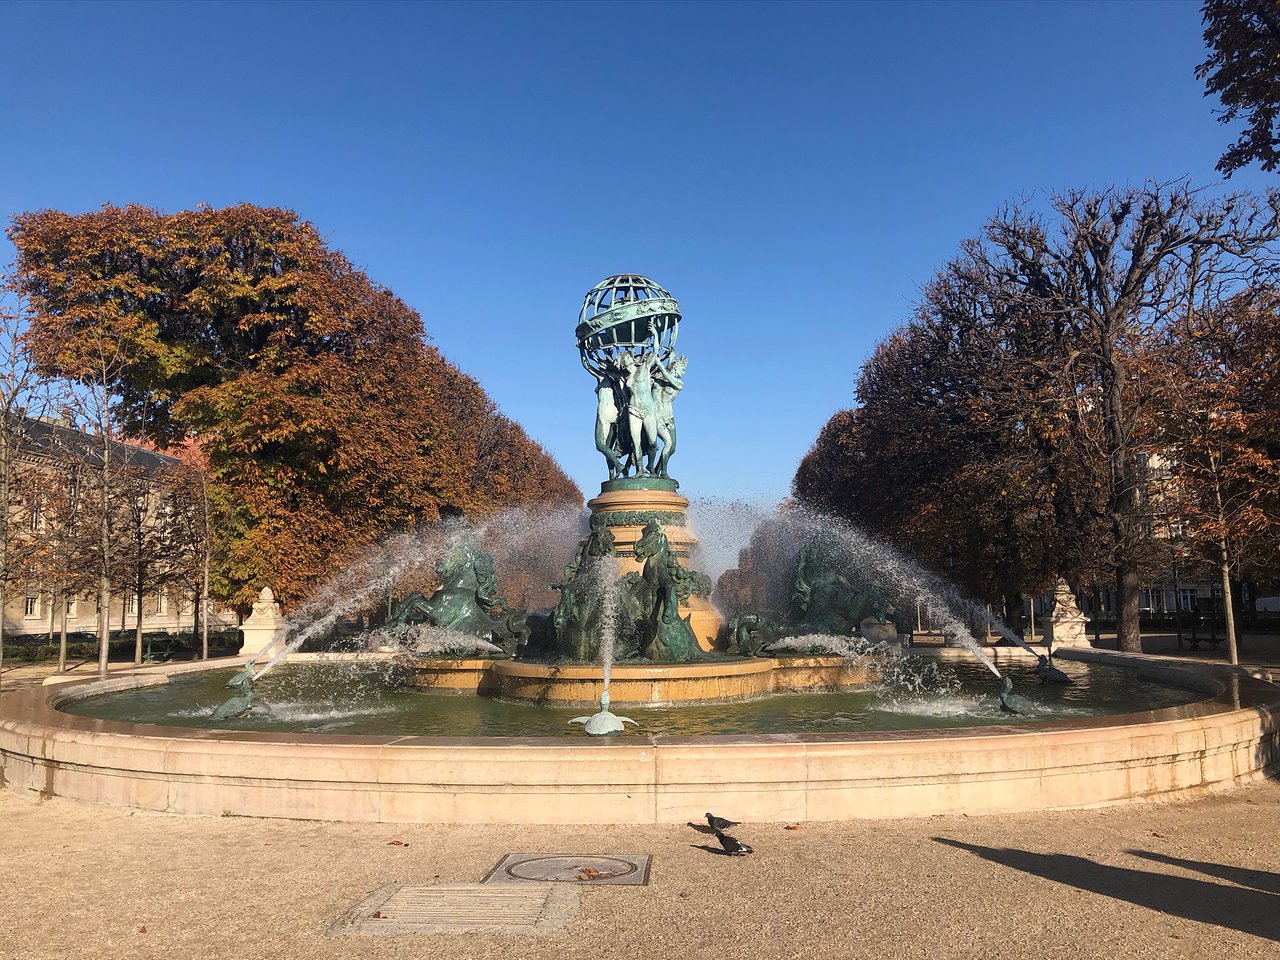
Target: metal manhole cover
[
  {"x": 461, "y": 908},
  {"x": 598, "y": 868}
]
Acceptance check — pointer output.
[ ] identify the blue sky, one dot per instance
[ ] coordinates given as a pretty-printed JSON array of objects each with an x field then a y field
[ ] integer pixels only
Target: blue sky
[{"x": 793, "y": 173}]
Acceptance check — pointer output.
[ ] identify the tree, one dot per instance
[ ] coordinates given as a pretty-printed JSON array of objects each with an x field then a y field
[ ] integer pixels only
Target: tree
[
  {"x": 1113, "y": 267},
  {"x": 143, "y": 566},
  {"x": 1243, "y": 70},
  {"x": 1019, "y": 410},
  {"x": 23, "y": 394},
  {"x": 1219, "y": 418},
  {"x": 325, "y": 417},
  {"x": 63, "y": 561},
  {"x": 198, "y": 524}
]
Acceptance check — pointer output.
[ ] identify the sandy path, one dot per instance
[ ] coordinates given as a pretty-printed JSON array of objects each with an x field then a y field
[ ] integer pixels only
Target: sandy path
[{"x": 1191, "y": 879}]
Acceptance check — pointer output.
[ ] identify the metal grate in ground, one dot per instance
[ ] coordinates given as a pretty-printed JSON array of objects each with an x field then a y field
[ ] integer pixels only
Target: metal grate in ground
[
  {"x": 460, "y": 908},
  {"x": 572, "y": 868}
]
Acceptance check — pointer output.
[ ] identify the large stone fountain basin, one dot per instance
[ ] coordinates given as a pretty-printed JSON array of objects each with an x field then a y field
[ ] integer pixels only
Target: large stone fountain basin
[
  {"x": 652, "y": 684},
  {"x": 1228, "y": 738}
]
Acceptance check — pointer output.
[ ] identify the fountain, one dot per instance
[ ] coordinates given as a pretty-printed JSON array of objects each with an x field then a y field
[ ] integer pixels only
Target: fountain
[{"x": 805, "y": 703}]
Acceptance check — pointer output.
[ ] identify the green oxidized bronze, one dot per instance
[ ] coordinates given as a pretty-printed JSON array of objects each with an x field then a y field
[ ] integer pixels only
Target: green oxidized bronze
[
  {"x": 828, "y": 595},
  {"x": 626, "y": 338},
  {"x": 824, "y": 598},
  {"x": 467, "y": 600},
  {"x": 657, "y": 592},
  {"x": 242, "y": 703},
  {"x": 638, "y": 518},
  {"x": 645, "y": 604},
  {"x": 580, "y": 615}
]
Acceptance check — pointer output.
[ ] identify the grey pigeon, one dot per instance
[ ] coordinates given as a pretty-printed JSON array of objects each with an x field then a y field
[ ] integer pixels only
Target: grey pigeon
[
  {"x": 735, "y": 848},
  {"x": 720, "y": 823}
]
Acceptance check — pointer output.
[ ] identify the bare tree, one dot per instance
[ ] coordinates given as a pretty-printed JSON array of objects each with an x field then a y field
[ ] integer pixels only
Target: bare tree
[
  {"x": 1113, "y": 267},
  {"x": 23, "y": 395}
]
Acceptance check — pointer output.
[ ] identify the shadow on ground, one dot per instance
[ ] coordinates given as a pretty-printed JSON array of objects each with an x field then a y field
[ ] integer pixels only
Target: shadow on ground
[{"x": 1254, "y": 911}]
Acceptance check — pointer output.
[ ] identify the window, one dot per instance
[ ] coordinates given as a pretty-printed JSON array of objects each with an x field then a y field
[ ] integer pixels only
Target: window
[
  {"x": 131, "y": 603},
  {"x": 71, "y": 609},
  {"x": 1187, "y": 598},
  {"x": 33, "y": 608},
  {"x": 162, "y": 602},
  {"x": 37, "y": 516}
]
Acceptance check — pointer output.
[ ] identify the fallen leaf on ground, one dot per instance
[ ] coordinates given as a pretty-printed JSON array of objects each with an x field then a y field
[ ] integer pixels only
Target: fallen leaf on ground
[
  {"x": 396, "y": 843},
  {"x": 142, "y": 929},
  {"x": 792, "y": 826},
  {"x": 589, "y": 873}
]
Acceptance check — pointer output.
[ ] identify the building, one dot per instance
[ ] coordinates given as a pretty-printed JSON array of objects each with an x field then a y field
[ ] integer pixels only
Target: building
[{"x": 55, "y": 459}]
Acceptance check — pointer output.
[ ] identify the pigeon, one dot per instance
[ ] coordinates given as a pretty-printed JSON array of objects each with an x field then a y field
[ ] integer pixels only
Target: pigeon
[
  {"x": 734, "y": 848},
  {"x": 1048, "y": 673},
  {"x": 720, "y": 823},
  {"x": 1005, "y": 705}
]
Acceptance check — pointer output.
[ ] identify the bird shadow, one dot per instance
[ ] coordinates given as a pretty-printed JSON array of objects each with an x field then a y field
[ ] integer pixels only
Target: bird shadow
[
  {"x": 710, "y": 849},
  {"x": 701, "y": 828},
  {"x": 1251, "y": 911}
]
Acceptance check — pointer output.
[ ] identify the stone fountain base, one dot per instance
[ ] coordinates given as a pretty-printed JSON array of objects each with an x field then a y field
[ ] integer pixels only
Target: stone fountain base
[
  {"x": 625, "y": 506},
  {"x": 580, "y": 685}
]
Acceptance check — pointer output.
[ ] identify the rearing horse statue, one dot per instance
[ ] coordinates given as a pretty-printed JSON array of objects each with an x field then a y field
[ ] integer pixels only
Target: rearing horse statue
[{"x": 663, "y": 583}]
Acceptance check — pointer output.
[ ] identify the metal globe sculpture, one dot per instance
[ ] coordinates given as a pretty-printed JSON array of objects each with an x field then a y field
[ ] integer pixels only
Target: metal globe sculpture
[
  {"x": 626, "y": 333},
  {"x": 627, "y": 311}
]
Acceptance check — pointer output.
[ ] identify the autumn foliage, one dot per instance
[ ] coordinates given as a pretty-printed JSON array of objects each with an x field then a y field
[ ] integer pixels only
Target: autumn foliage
[
  {"x": 325, "y": 417},
  {"x": 1038, "y": 416}
]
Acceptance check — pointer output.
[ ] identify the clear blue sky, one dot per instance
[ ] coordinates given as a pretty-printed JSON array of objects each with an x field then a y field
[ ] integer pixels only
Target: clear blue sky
[{"x": 793, "y": 173}]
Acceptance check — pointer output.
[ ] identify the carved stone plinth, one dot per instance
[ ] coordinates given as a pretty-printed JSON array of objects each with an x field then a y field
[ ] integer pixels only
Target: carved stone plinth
[
  {"x": 261, "y": 625},
  {"x": 626, "y": 511},
  {"x": 1066, "y": 625}
]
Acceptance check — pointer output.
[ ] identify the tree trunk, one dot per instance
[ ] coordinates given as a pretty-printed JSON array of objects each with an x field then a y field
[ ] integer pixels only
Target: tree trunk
[
  {"x": 104, "y": 622},
  {"x": 195, "y": 616},
  {"x": 1177, "y": 603},
  {"x": 204, "y": 577},
  {"x": 62, "y": 640},
  {"x": 1013, "y": 615},
  {"x": 137, "y": 630},
  {"x": 1128, "y": 632},
  {"x": 1228, "y": 606},
  {"x": 204, "y": 609}
]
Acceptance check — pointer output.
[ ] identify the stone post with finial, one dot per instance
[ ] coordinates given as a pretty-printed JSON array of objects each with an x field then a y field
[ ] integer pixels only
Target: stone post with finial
[
  {"x": 261, "y": 626},
  {"x": 1066, "y": 626}
]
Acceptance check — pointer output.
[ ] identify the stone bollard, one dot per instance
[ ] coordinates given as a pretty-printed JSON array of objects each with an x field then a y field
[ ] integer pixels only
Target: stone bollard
[
  {"x": 1066, "y": 626},
  {"x": 261, "y": 625}
]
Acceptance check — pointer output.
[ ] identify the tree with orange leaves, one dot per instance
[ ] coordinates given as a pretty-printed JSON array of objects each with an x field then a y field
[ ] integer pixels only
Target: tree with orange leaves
[{"x": 325, "y": 417}]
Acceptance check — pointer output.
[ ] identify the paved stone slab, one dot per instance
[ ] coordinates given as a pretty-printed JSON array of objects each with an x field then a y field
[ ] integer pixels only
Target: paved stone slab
[
  {"x": 459, "y": 908},
  {"x": 630, "y": 869}
]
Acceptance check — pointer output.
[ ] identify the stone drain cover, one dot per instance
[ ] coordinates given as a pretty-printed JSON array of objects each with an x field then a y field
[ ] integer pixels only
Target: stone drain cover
[
  {"x": 459, "y": 908},
  {"x": 586, "y": 868}
]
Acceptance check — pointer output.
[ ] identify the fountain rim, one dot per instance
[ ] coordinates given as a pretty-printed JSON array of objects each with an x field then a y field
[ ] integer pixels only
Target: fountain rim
[
  {"x": 1212, "y": 680},
  {"x": 1200, "y": 748}
]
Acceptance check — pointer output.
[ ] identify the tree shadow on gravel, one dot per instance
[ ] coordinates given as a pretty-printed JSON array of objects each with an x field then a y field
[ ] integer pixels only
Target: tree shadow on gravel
[
  {"x": 1255, "y": 912},
  {"x": 1263, "y": 880}
]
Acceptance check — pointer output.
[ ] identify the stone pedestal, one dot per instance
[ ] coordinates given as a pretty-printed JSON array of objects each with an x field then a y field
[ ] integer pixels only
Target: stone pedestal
[
  {"x": 260, "y": 628},
  {"x": 1066, "y": 625},
  {"x": 625, "y": 506}
]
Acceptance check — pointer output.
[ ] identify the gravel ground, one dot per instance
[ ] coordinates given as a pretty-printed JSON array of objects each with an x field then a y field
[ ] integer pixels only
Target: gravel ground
[{"x": 1192, "y": 879}]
